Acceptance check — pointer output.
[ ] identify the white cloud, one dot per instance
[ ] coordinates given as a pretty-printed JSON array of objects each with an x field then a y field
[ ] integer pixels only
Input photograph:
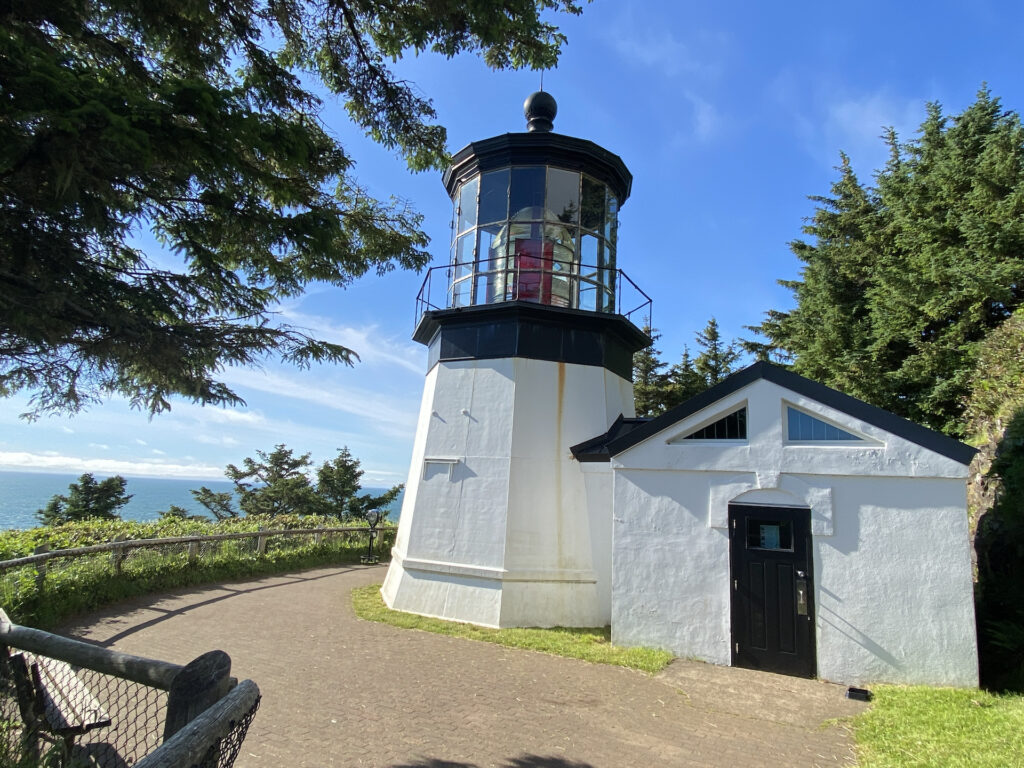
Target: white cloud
[
  {"x": 100, "y": 446},
  {"x": 67, "y": 430},
  {"x": 856, "y": 124},
  {"x": 224, "y": 415},
  {"x": 158, "y": 452},
  {"x": 394, "y": 415},
  {"x": 225, "y": 440},
  {"x": 373, "y": 348},
  {"x": 140, "y": 442},
  {"x": 77, "y": 465}
]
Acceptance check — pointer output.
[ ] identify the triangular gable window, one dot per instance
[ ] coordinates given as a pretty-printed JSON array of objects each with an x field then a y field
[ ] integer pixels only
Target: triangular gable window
[
  {"x": 804, "y": 427},
  {"x": 731, "y": 427}
]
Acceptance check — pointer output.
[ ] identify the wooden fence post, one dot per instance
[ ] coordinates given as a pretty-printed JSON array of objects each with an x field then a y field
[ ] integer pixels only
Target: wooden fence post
[
  {"x": 41, "y": 567},
  {"x": 199, "y": 685},
  {"x": 118, "y": 555},
  {"x": 193, "y": 551},
  {"x": 261, "y": 544},
  {"x": 318, "y": 538}
]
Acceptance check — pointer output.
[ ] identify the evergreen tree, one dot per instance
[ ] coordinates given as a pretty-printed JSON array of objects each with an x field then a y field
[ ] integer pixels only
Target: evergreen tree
[
  {"x": 87, "y": 499},
  {"x": 219, "y": 504},
  {"x": 197, "y": 122},
  {"x": 716, "y": 359},
  {"x": 684, "y": 381},
  {"x": 650, "y": 385},
  {"x": 338, "y": 486},
  {"x": 274, "y": 484},
  {"x": 903, "y": 281}
]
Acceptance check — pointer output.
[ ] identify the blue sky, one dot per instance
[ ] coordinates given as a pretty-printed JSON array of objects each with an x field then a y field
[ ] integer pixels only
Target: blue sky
[{"x": 728, "y": 115}]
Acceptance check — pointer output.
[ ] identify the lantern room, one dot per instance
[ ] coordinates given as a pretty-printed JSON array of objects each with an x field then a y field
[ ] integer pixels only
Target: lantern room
[{"x": 535, "y": 218}]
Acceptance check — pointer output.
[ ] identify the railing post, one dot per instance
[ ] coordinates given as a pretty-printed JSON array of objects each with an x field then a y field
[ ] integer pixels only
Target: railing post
[
  {"x": 42, "y": 549},
  {"x": 199, "y": 685},
  {"x": 193, "y": 551},
  {"x": 118, "y": 555},
  {"x": 318, "y": 538},
  {"x": 261, "y": 544}
]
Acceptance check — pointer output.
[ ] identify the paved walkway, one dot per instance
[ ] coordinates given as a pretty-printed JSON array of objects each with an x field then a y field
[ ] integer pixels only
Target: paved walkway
[{"x": 338, "y": 691}]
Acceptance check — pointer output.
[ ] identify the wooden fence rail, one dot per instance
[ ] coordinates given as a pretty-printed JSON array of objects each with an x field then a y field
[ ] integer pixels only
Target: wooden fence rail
[
  {"x": 44, "y": 555},
  {"x": 94, "y": 720}
]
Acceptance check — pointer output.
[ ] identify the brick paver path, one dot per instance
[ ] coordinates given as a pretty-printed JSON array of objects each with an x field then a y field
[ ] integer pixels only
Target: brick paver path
[{"x": 338, "y": 691}]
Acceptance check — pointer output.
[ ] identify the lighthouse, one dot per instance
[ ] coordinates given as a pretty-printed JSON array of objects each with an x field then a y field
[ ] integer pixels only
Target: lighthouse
[{"x": 530, "y": 343}]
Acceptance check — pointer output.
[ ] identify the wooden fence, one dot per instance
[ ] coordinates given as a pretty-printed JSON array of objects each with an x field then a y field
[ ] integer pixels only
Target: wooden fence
[{"x": 72, "y": 703}]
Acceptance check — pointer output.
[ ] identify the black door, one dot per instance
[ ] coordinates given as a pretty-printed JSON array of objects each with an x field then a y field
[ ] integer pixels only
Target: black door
[{"x": 772, "y": 592}]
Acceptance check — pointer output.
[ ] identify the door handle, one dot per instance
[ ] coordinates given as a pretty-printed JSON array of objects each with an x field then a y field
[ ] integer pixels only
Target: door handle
[{"x": 801, "y": 596}]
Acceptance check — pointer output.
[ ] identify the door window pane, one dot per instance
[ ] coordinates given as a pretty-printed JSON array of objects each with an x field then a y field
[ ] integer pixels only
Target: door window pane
[
  {"x": 563, "y": 200},
  {"x": 494, "y": 196},
  {"x": 769, "y": 534}
]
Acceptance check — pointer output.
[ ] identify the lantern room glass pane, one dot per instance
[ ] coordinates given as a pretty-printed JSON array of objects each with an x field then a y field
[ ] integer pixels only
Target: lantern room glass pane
[
  {"x": 464, "y": 249},
  {"x": 467, "y": 205},
  {"x": 563, "y": 200},
  {"x": 592, "y": 205},
  {"x": 611, "y": 219},
  {"x": 494, "y": 196},
  {"x": 526, "y": 193}
]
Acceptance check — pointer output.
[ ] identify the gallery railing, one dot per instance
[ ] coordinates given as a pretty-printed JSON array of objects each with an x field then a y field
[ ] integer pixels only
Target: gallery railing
[{"x": 542, "y": 281}]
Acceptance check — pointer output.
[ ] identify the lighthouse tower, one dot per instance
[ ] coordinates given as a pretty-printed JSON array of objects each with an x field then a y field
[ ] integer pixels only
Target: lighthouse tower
[{"x": 530, "y": 353}]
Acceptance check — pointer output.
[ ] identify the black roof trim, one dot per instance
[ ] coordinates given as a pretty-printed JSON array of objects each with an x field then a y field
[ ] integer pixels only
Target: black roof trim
[
  {"x": 596, "y": 448},
  {"x": 858, "y": 409},
  {"x": 539, "y": 149}
]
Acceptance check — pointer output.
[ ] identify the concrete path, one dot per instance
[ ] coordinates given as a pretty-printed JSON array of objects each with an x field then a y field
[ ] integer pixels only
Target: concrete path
[{"x": 338, "y": 691}]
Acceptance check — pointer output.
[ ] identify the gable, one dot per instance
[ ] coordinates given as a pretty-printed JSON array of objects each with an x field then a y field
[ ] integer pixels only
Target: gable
[{"x": 832, "y": 399}]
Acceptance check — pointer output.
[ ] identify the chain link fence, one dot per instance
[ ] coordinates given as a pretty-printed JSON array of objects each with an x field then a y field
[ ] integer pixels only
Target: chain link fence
[{"x": 68, "y": 704}]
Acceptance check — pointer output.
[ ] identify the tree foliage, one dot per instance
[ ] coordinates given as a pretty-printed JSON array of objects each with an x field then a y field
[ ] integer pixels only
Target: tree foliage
[
  {"x": 995, "y": 417},
  {"x": 656, "y": 390},
  {"x": 278, "y": 482},
  {"x": 199, "y": 122},
  {"x": 88, "y": 498},
  {"x": 903, "y": 280}
]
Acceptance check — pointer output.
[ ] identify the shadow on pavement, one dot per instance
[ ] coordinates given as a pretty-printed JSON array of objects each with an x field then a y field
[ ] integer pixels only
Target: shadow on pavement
[
  {"x": 523, "y": 761},
  {"x": 225, "y": 591}
]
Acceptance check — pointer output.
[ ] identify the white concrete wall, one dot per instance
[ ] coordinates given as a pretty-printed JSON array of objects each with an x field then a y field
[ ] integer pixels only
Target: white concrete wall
[
  {"x": 892, "y": 581},
  {"x": 515, "y": 511}
]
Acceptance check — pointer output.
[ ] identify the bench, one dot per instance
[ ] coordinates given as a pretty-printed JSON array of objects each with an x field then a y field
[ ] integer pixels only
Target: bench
[{"x": 53, "y": 698}]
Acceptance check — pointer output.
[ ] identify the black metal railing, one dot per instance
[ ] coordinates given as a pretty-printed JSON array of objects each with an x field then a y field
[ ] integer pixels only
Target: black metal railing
[{"x": 575, "y": 286}]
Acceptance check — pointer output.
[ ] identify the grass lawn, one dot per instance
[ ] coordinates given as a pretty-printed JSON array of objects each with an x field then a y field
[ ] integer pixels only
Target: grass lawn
[
  {"x": 589, "y": 644},
  {"x": 940, "y": 728}
]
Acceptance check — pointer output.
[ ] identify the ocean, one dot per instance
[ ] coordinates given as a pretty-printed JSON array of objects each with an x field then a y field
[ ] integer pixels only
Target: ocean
[{"x": 23, "y": 493}]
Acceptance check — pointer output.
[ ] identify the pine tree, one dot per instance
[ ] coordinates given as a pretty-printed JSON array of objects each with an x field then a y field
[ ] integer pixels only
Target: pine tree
[
  {"x": 650, "y": 385},
  {"x": 87, "y": 499},
  {"x": 338, "y": 489},
  {"x": 716, "y": 359},
  {"x": 274, "y": 483},
  {"x": 903, "y": 281},
  {"x": 684, "y": 381}
]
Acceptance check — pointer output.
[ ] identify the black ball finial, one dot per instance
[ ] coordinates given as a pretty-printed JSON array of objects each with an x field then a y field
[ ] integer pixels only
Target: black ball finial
[{"x": 540, "y": 110}]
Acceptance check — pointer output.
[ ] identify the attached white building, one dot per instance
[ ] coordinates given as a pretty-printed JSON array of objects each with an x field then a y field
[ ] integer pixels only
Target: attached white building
[
  {"x": 775, "y": 523},
  {"x": 770, "y": 522}
]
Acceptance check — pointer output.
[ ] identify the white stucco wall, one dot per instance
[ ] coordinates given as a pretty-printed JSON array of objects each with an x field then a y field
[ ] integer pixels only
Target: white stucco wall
[
  {"x": 892, "y": 581},
  {"x": 510, "y": 531}
]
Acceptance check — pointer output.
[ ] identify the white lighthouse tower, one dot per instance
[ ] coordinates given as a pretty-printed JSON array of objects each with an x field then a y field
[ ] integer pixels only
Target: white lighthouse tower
[{"x": 530, "y": 353}]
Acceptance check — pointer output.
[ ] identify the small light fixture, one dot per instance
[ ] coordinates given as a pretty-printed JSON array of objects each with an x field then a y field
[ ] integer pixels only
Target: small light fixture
[{"x": 859, "y": 694}]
